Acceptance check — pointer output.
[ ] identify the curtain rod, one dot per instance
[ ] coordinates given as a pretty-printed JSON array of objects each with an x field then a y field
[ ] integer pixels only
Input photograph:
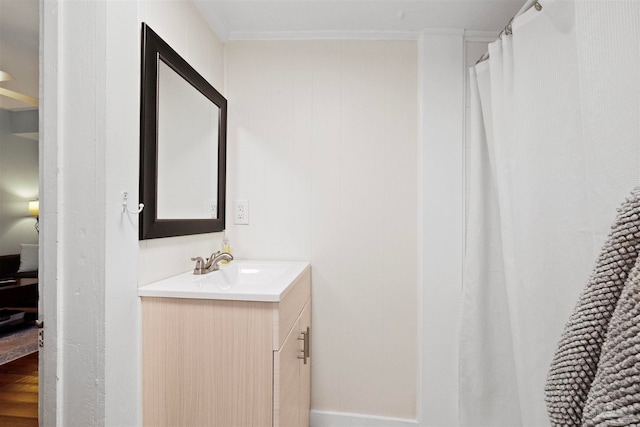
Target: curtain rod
[{"x": 508, "y": 30}]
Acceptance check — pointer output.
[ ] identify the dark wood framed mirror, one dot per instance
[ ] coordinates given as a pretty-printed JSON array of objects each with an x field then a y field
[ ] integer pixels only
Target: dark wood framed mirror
[{"x": 183, "y": 129}]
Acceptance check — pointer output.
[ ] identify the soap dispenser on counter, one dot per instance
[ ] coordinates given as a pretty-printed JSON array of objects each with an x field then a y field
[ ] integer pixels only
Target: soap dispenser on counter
[{"x": 226, "y": 246}]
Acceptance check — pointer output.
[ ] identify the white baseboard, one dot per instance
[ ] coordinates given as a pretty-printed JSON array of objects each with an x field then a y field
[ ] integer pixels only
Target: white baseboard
[{"x": 344, "y": 419}]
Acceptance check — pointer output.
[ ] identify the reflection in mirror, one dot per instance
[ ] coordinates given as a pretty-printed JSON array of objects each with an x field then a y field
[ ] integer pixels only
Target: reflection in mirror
[
  {"x": 187, "y": 149},
  {"x": 183, "y": 121}
]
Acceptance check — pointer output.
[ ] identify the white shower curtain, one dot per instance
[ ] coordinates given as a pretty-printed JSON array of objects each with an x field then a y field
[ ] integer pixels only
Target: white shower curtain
[{"x": 555, "y": 149}]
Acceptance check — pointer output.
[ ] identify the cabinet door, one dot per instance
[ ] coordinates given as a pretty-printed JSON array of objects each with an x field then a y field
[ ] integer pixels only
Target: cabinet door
[
  {"x": 292, "y": 376},
  {"x": 305, "y": 370},
  {"x": 286, "y": 375}
]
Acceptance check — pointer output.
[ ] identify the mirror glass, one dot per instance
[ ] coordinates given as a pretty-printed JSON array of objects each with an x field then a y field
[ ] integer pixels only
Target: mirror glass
[
  {"x": 183, "y": 121},
  {"x": 187, "y": 149}
]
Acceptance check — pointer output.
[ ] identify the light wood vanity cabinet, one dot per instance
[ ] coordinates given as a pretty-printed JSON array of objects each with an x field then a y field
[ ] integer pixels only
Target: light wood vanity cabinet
[
  {"x": 292, "y": 376},
  {"x": 210, "y": 362}
]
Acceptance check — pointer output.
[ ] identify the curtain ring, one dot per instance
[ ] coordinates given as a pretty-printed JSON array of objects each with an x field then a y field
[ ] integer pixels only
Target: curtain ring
[
  {"x": 508, "y": 30},
  {"x": 538, "y": 6}
]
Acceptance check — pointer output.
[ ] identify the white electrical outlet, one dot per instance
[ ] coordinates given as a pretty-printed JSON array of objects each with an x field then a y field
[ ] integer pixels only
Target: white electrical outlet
[{"x": 241, "y": 212}]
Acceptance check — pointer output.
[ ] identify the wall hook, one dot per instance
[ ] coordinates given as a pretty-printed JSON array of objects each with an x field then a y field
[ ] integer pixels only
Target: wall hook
[{"x": 125, "y": 207}]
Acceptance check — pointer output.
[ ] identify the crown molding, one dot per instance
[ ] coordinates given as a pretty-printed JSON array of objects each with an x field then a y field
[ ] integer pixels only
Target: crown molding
[
  {"x": 443, "y": 32},
  {"x": 323, "y": 35}
]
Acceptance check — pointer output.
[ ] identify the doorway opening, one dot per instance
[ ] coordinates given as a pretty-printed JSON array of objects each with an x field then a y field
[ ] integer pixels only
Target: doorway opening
[{"x": 19, "y": 211}]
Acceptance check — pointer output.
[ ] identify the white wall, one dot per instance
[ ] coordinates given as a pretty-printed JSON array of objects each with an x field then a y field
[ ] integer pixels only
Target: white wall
[
  {"x": 442, "y": 196},
  {"x": 80, "y": 278},
  {"x": 323, "y": 144},
  {"x": 93, "y": 262},
  {"x": 18, "y": 182}
]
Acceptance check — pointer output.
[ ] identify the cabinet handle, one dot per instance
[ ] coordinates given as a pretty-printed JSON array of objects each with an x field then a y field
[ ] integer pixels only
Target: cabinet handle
[{"x": 305, "y": 350}]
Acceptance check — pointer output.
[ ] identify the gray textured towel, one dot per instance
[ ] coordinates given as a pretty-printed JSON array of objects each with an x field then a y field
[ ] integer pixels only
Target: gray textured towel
[
  {"x": 575, "y": 363},
  {"x": 614, "y": 398}
]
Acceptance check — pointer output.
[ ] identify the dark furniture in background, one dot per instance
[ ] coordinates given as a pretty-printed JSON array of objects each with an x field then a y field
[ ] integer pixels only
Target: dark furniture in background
[
  {"x": 18, "y": 290},
  {"x": 9, "y": 265}
]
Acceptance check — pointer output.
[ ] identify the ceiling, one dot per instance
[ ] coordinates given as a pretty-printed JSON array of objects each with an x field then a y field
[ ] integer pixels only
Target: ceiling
[
  {"x": 19, "y": 44},
  {"x": 245, "y": 19},
  {"x": 241, "y": 19}
]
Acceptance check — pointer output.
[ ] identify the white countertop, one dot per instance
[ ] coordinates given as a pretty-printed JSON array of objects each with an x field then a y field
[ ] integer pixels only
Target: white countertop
[{"x": 240, "y": 280}]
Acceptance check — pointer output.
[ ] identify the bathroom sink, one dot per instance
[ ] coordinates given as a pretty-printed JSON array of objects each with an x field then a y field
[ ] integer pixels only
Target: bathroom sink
[{"x": 239, "y": 280}]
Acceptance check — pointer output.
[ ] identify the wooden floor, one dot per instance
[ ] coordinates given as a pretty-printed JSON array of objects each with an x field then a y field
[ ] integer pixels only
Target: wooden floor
[{"x": 19, "y": 392}]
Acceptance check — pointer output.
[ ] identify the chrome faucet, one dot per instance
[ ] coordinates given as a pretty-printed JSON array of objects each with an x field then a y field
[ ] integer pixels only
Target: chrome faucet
[
  {"x": 212, "y": 263},
  {"x": 199, "y": 265}
]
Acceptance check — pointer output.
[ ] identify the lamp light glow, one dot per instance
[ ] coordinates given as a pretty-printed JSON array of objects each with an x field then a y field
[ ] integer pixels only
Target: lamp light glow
[{"x": 34, "y": 208}]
